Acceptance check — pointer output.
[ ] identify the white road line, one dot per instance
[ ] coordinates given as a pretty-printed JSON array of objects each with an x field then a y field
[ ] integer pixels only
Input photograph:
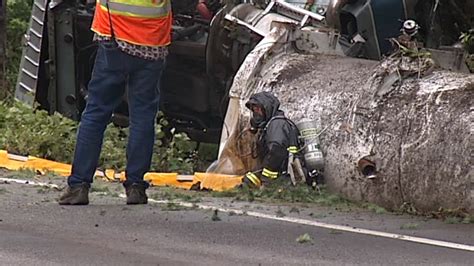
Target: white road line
[
  {"x": 351, "y": 229},
  {"x": 28, "y": 182}
]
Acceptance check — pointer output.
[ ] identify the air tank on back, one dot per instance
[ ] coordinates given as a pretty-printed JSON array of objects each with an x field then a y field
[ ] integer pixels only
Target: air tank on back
[{"x": 313, "y": 157}]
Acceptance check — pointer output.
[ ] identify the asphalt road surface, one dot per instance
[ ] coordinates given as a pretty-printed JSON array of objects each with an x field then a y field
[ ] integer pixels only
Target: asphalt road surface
[{"x": 34, "y": 230}]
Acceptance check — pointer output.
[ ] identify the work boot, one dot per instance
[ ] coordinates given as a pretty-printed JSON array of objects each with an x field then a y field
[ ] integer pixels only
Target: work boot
[
  {"x": 76, "y": 195},
  {"x": 136, "y": 194}
]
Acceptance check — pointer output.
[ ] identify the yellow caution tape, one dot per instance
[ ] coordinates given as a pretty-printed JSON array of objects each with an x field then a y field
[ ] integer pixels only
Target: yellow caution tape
[
  {"x": 8, "y": 163},
  {"x": 216, "y": 182},
  {"x": 167, "y": 179},
  {"x": 34, "y": 163}
]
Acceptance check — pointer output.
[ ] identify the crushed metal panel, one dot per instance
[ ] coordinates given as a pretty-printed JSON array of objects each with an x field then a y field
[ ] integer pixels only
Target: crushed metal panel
[{"x": 30, "y": 60}]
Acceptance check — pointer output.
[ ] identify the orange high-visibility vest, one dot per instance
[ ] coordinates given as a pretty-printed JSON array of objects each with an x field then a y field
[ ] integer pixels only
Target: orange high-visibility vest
[{"x": 142, "y": 22}]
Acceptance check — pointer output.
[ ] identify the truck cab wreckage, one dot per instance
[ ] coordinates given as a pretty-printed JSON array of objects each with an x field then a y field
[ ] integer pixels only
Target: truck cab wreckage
[{"x": 223, "y": 51}]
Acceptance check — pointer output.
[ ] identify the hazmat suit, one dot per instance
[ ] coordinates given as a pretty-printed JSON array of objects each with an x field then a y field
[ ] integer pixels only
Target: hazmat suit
[{"x": 277, "y": 136}]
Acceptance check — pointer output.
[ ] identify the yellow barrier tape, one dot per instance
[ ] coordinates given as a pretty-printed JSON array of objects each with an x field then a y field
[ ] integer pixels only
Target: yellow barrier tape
[
  {"x": 211, "y": 181},
  {"x": 167, "y": 179},
  {"x": 43, "y": 166},
  {"x": 217, "y": 182},
  {"x": 9, "y": 164}
]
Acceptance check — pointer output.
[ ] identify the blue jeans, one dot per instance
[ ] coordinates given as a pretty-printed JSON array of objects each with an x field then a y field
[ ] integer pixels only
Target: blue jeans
[{"x": 113, "y": 70}]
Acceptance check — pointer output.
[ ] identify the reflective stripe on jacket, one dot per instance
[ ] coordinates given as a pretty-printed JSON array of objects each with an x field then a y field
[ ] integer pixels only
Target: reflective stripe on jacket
[{"x": 141, "y": 22}]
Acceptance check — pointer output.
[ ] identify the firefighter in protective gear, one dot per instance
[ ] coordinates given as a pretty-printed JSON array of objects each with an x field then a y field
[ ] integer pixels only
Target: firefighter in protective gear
[{"x": 277, "y": 137}]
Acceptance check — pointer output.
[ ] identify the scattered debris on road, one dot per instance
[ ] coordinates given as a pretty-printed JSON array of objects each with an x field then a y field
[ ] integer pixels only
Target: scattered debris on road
[
  {"x": 215, "y": 216},
  {"x": 305, "y": 238}
]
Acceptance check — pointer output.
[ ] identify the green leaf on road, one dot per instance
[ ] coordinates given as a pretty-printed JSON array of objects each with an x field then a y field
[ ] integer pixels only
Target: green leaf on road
[
  {"x": 409, "y": 226},
  {"x": 304, "y": 238}
]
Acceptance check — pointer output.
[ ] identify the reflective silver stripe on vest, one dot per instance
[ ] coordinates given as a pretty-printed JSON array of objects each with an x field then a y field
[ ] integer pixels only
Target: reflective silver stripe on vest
[{"x": 138, "y": 10}]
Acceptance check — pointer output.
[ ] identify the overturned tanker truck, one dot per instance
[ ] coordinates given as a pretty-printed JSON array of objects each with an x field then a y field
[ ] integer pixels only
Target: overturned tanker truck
[{"x": 395, "y": 130}]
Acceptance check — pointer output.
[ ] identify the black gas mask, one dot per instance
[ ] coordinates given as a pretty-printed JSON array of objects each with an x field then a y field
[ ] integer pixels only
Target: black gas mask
[
  {"x": 258, "y": 116},
  {"x": 258, "y": 119}
]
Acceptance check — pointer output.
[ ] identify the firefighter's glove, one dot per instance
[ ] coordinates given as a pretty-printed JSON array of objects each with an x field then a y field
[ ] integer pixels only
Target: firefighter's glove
[{"x": 252, "y": 180}]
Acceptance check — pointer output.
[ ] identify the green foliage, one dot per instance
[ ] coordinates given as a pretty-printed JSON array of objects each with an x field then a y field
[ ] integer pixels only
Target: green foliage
[
  {"x": 282, "y": 191},
  {"x": 169, "y": 193},
  {"x": 21, "y": 174},
  {"x": 18, "y": 16},
  {"x": 374, "y": 208},
  {"x": 100, "y": 188},
  {"x": 43, "y": 190},
  {"x": 173, "y": 155},
  {"x": 456, "y": 215},
  {"x": 412, "y": 52},
  {"x": 408, "y": 208},
  {"x": 226, "y": 194},
  {"x": 304, "y": 238},
  {"x": 28, "y": 132},
  {"x": 409, "y": 226},
  {"x": 171, "y": 206},
  {"x": 453, "y": 220},
  {"x": 113, "y": 155},
  {"x": 205, "y": 156},
  {"x": 450, "y": 216},
  {"x": 470, "y": 62},
  {"x": 467, "y": 39},
  {"x": 35, "y": 133},
  {"x": 335, "y": 232},
  {"x": 469, "y": 219}
]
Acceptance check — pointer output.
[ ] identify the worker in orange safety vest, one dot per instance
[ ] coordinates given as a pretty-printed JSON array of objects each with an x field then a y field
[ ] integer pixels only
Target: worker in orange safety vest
[{"x": 133, "y": 38}]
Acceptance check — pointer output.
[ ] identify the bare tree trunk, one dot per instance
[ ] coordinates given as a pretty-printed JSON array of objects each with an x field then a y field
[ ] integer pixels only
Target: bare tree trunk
[{"x": 3, "y": 42}]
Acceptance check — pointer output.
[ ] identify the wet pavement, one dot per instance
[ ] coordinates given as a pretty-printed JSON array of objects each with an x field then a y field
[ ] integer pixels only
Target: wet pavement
[{"x": 34, "y": 230}]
